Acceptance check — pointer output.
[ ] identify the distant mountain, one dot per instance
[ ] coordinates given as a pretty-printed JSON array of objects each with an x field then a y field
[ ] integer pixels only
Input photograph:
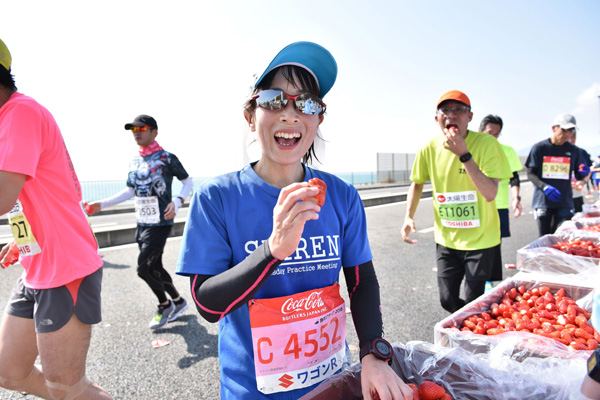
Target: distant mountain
[{"x": 524, "y": 152}]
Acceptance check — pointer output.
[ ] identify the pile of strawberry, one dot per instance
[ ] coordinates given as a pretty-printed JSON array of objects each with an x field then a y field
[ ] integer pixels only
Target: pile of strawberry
[
  {"x": 593, "y": 228},
  {"x": 429, "y": 391},
  {"x": 537, "y": 311},
  {"x": 578, "y": 247}
]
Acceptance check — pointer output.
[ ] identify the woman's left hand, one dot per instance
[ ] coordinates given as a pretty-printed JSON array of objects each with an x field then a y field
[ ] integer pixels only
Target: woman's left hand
[
  {"x": 379, "y": 381},
  {"x": 289, "y": 216}
]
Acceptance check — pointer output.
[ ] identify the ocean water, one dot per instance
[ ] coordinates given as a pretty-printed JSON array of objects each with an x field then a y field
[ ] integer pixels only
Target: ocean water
[{"x": 97, "y": 190}]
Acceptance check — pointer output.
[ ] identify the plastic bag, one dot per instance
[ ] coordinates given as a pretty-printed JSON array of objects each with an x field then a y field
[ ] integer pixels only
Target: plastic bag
[
  {"x": 538, "y": 256},
  {"x": 516, "y": 345},
  {"x": 589, "y": 211},
  {"x": 467, "y": 376},
  {"x": 580, "y": 225}
]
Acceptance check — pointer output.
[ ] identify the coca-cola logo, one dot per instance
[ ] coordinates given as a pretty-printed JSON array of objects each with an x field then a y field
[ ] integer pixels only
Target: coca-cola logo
[
  {"x": 307, "y": 303},
  {"x": 441, "y": 198}
]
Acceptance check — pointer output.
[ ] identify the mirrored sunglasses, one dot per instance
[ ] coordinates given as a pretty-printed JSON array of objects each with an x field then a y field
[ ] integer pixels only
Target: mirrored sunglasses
[
  {"x": 273, "y": 99},
  {"x": 140, "y": 128}
]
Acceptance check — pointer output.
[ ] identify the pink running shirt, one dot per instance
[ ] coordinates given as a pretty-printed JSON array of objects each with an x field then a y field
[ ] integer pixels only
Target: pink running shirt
[{"x": 31, "y": 144}]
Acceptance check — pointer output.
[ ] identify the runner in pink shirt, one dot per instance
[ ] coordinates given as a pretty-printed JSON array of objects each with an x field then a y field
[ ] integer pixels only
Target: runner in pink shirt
[{"x": 57, "y": 298}]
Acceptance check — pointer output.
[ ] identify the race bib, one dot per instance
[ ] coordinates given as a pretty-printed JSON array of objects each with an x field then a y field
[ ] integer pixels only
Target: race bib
[
  {"x": 21, "y": 231},
  {"x": 458, "y": 209},
  {"x": 556, "y": 167},
  {"x": 146, "y": 210},
  {"x": 298, "y": 340}
]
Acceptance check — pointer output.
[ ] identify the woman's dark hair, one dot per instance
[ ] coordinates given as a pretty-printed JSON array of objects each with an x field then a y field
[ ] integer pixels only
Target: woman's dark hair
[
  {"x": 297, "y": 77},
  {"x": 490, "y": 119},
  {"x": 6, "y": 79}
]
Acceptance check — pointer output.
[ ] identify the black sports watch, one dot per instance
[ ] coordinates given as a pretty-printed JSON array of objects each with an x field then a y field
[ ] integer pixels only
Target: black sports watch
[
  {"x": 593, "y": 366},
  {"x": 380, "y": 348},
  {"x": 465, "y": 157}
]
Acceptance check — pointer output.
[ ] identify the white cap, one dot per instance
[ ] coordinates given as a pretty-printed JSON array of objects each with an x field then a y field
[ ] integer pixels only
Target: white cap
[{"x": 565, "y": 121}]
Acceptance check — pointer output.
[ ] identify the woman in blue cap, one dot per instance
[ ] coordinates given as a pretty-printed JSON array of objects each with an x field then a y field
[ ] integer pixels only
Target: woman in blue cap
[{"x": 266, "y": 264}]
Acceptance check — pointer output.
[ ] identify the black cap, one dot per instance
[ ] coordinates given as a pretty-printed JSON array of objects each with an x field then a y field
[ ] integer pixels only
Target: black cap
[{"x": 142, "y": 120}]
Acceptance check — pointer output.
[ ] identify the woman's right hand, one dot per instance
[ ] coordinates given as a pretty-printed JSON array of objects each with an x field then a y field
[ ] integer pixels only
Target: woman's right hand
[{"x": 289, "y": 216}]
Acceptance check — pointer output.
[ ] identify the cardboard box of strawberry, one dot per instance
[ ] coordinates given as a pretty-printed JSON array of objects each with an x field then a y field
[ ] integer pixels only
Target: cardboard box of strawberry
[
  {"x": 435, "y": 370},
  {"x": 525, "y": 319},
  {"x": 567, "y": 252}
]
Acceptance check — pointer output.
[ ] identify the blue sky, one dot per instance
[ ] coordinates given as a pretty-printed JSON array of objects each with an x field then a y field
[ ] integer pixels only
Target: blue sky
[{"x": 189, "y": 64}]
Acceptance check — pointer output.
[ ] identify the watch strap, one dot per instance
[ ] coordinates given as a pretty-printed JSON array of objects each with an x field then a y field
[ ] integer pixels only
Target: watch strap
[
  {"x": 465, "y": 157},
  {"x": 593, "y": 366}
]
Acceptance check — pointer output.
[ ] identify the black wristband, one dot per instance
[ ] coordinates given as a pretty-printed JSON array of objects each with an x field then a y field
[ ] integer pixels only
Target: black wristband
[
  {"x": 182, "y": 199},
  {"x": 593, "y": 366},
  {"x": 519, "y": 198},
  {"x": 465, "y": 157}
]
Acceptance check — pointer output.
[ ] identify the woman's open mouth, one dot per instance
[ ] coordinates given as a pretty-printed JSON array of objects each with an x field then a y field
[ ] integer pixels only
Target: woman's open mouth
[{"x": 287, "y": 139}]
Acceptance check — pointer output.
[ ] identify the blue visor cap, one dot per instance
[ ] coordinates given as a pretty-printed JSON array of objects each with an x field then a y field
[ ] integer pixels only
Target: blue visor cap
[{"x": 314, "y": 58}]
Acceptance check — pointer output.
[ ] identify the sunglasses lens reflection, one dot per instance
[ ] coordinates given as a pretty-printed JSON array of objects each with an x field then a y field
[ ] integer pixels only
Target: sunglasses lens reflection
[{"x": 277, "y": 99}]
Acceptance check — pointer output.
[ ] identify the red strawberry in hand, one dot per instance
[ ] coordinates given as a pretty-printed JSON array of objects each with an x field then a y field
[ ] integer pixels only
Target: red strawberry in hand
[
  {"x": 320, "y": 197},
  {"x": 415, "y": 390},
  {"x": 87, "y": 208},
  {"x": 431, "y": 391}
]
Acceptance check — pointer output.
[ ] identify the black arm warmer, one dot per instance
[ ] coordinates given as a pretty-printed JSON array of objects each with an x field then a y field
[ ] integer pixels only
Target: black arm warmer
[
  {"x": 515, "y": 181},
  {"x": 217, "y": 295},
  {"x": 534, "y": 179},
  {"x": 363, "y": 290}
]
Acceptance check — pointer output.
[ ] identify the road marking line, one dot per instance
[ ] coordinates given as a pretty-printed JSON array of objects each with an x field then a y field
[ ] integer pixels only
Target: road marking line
[{"x": 426, "y": 230}]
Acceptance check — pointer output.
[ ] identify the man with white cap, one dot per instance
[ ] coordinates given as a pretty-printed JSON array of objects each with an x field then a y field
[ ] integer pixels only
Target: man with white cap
[
  {"x": 57, "y": 298},
  {"x": 550, "y": 165}
]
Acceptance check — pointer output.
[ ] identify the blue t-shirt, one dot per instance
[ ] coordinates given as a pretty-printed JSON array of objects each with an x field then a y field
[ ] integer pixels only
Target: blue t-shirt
[
  {"x": 554, "y": 165},
  {"x": 152, "y": 176},
  {"x": 229, "y": 217}
]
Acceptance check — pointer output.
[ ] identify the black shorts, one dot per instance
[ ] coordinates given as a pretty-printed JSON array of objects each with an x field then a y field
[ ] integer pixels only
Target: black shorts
[
  {"x": 52, "y": 308},
  {"x": 504, "y": 224},
  {"x": 153, "y": 236},
  {"x": 475, "y": 265}
]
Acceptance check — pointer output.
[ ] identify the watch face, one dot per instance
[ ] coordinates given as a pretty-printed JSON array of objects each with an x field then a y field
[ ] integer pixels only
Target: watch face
[
  {"x": 592, "y": 362},
  {"x": 383, "y": 348}
]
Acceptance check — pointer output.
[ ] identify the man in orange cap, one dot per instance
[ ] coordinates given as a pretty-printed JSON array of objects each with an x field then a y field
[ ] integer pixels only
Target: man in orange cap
[{"x": 464, "y": 168}]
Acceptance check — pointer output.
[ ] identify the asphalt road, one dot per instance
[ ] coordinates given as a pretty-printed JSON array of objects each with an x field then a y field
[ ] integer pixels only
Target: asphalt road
[{"x": 122, "y": 360}]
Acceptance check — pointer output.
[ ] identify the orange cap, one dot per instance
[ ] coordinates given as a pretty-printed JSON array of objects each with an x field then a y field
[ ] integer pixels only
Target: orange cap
[{"x": 454, "y": 95}]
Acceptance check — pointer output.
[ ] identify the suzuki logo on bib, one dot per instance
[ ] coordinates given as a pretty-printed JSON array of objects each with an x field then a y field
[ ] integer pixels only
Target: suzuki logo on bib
[
  {"x": 286, "y": 381},
  {"x": 441, "y": 198},
  {"x": 310, "y": 302}
]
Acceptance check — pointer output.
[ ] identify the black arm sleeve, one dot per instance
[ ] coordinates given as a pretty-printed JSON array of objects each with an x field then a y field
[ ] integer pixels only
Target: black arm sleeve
[
  {"x": 217, "y": 295},
  {"x": 515, "y": 181},
  {"x": 534, "y": 179},
  {"x": 363, "y": 289}
]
